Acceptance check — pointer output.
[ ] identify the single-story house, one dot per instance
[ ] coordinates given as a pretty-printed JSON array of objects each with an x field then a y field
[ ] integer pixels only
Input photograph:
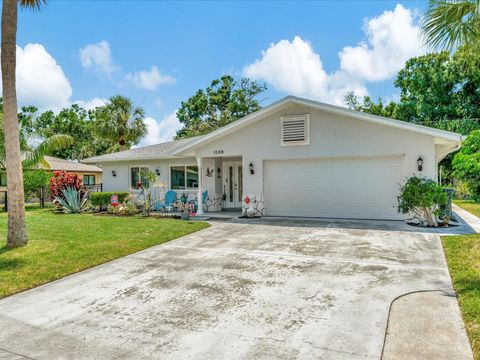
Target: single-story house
[
  {"x": 90, "y": 174},
  {"x": 296, "y": 157}
]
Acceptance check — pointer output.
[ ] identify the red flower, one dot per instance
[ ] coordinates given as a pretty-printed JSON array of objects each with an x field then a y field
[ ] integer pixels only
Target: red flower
[
  {"x": 247, "y": 200},
  {"x": 62, "y": 180}
]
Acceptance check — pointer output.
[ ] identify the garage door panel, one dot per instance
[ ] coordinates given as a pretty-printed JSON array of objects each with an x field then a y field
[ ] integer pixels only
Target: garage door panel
[{"x": 345, "y": 188}]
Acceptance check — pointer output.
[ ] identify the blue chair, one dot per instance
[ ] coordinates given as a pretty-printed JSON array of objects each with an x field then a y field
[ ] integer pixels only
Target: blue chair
[
  {"x": 170, "y": 198},
  {"x": 204, "y": 198}
]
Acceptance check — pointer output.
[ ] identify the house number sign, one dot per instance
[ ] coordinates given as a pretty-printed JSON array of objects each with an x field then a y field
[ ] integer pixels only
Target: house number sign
[{"x": 217, "y": 152}]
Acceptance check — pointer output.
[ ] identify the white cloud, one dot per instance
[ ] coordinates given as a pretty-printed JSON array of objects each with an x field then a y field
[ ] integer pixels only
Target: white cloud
[
  {"x": 291, "y": 66},
  {"x": 161, "y": 131},
  {"x": 392, "y": 39},
  {"x": 98, "y": 57},
  {"x": 92, "y": 103},
  {"x": 40, "y": 80},
  {"x": 149, "y": 79},
  {"x": 295, "y": 68}
]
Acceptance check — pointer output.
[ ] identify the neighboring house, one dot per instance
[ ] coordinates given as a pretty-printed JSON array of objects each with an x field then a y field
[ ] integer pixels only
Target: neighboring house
[
  {"x": 296, "y": 157},
  {"x": 90, "y": 174}
]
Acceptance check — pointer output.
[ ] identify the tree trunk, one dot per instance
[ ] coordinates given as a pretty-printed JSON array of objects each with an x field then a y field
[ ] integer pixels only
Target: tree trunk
[{"x": 17, "y": 235}]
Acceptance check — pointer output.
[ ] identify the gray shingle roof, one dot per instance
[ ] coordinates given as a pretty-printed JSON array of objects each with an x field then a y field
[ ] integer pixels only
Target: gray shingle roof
[{"x": 157, "y": 151}]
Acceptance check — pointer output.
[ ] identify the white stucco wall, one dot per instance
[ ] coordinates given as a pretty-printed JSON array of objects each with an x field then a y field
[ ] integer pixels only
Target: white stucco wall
[
  {"x": 330, "y": 136},
  {"x": 121, "y": 182}
]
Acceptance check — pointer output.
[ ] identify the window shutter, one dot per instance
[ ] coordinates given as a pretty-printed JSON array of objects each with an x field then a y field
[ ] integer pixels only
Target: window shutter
[{"x": 295, "y": 130}]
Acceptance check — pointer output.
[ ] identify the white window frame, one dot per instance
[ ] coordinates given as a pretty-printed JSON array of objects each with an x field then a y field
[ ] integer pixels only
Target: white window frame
[
  {"x": 307, "y": 130},
  {"x": 130, "y": 173},
  {"x": 185, "y": 166}
]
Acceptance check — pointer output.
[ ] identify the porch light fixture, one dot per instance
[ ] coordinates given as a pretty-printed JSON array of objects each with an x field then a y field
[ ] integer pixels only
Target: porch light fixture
[
  {"x": 157, "y": 172},
  {"x": 219, "y": 173},
  {"x": 209, "y": 172},
  {"x": 250, "y": 167},
  {"x": 420, "y": 163},
  {"x": 114, "y": 173}
]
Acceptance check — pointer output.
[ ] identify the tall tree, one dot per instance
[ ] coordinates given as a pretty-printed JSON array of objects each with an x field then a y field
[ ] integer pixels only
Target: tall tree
[
  {"x": 450, "y": 24},
  {"x": 121, "y": 122},
  {"x": 366, "y": 104},
  {"x": 17, "y": 234},
  {"x": 437, "y": 90},
  {"x": 440, "y": 90},
  {"x": 74, "y": 121},
  {"x": 224, "y": 101}
]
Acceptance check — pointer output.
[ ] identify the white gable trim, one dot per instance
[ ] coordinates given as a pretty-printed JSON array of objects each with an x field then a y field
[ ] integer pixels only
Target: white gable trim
[{"x": 440, "y": 135}]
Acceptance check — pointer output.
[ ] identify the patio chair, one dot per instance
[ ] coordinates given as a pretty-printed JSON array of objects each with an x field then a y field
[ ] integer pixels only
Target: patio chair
[
  {"x": 204, "y": 198},
  {"x": 167, "y": 204}
]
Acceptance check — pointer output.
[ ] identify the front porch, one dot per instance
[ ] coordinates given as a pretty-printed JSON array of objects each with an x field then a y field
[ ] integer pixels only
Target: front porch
[{"x": 220, "y": 188}]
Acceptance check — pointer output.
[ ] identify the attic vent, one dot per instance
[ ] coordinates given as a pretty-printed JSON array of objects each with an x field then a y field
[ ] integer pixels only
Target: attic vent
[{"x": 296, "y": 129}]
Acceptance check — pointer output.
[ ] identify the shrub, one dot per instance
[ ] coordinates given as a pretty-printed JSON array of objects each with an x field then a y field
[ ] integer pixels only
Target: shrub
[
  {"x": 102, "y": 199},
  {"x": 72, "y": 201},
  {"x": 462, "y": 190},
  {"x": 126, "y": 208},
  {"x": 466, "y": 164},
  {"x": 34, "y": 181},
  {"x": 423, "y": 198},
  {"x": 62, "y": 180}
]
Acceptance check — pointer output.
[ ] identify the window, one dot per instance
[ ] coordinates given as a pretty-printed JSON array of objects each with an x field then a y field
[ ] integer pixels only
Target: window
[
  {"x": 295, "y": 129},
  {"x": 3, "y": 179},
  {"x": 88, "y": 179},
  {"x": 138, "y": 174},
  {"x": 183, "y": 177}
]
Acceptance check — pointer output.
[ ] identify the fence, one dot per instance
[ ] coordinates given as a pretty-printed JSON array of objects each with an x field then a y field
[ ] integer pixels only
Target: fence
[{"x": 94, "y": 188}]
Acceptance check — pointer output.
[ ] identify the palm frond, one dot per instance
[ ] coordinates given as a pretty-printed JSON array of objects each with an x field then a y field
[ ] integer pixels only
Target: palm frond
[
  {"x": 32, "y": 4},
  {"x": 54, "y": 142},
  {"x": 448, "y": 24}
]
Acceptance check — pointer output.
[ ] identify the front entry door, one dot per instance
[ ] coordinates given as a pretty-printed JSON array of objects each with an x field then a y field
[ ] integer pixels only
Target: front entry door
[{"x": 233, "y": 184}]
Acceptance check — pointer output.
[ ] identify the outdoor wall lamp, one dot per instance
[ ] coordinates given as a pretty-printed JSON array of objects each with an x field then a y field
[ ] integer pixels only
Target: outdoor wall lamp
[
  {"x": 114, "y": 173},
  {"x": 219, "y": 173},
  {"x": 209, "y": 172},
  {"x": 420, "y": 163},
  {"x": 250, "y": 167},
  {"x": 157, "y": 172}
]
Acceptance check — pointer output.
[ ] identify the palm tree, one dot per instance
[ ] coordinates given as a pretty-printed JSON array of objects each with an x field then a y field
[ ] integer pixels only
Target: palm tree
[
  {"x": 121, "y": 122},
  {"x": 450, "y": 24},
  {"x": 36, "y": 156},
  {"x": 17, "y": 234}
]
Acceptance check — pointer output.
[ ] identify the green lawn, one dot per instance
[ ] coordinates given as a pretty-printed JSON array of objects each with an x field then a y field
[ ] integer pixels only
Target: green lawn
[
  {"x": 463, "y": 258},
  {"x": 470, "y": 206},
  {"x": 61, "y": 244}
]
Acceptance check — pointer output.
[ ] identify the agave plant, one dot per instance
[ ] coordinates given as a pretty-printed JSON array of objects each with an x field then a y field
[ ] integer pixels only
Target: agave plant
[{"x": 72, "y": 201}]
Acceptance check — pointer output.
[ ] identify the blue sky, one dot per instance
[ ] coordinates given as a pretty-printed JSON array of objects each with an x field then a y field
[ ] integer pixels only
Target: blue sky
[{"x": 160, "y": 53}]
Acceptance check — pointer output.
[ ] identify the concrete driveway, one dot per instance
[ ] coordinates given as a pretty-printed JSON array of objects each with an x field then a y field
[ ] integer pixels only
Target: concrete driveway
[{"x": 270, "y": 289}]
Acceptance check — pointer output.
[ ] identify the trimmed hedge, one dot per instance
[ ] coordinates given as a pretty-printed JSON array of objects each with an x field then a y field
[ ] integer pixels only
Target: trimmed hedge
[{"x": 102, "y": 199}]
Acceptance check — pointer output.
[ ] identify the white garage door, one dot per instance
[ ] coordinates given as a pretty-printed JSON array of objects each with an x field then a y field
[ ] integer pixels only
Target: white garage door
[{"x": 362, "y": 188}]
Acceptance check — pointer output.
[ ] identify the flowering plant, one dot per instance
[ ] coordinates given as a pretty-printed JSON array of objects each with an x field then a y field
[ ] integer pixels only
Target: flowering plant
[
  {"x": 62, "y": 180},
  {"x": 183, "y": 207}
]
